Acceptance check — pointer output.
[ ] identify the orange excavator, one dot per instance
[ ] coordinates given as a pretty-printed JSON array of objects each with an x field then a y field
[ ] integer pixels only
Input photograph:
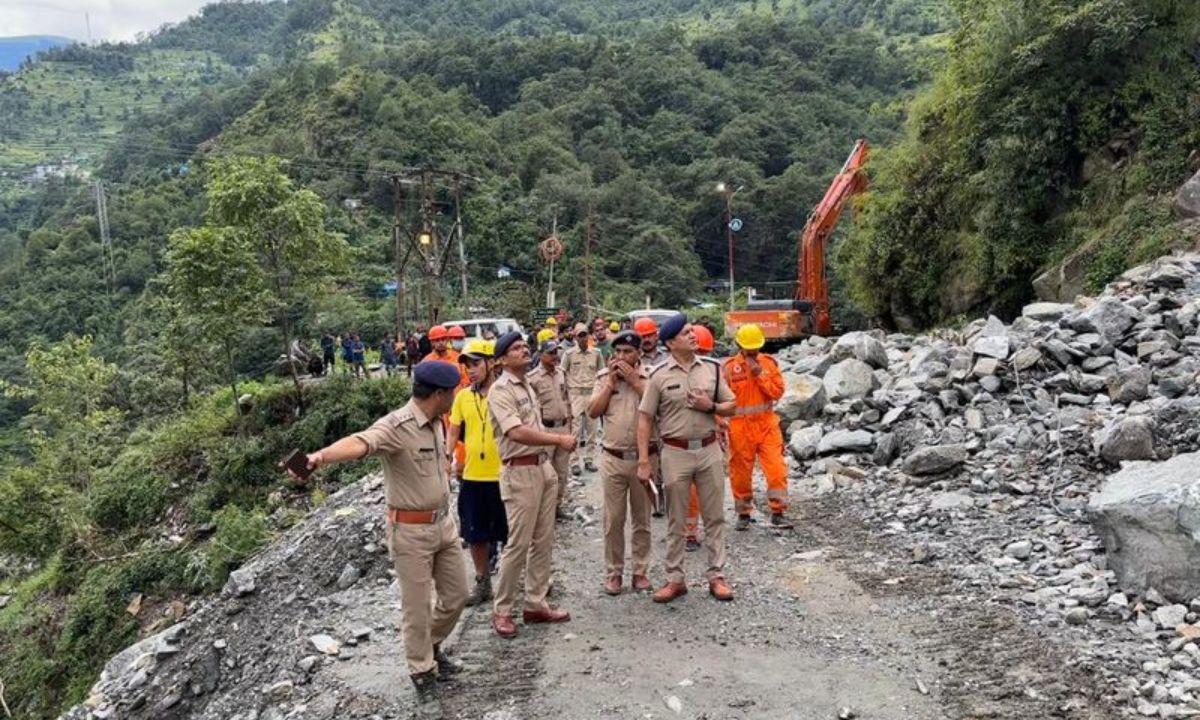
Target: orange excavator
[{"x": 807, "y": 313}]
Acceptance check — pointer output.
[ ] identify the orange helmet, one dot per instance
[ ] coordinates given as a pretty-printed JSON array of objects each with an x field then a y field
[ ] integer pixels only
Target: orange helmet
[
  {"x": 438, "y": 332},
  {"x": 455, "y": 332},
  {"x": 704, "y": 338},
  {"x": 645, "y": 326}
]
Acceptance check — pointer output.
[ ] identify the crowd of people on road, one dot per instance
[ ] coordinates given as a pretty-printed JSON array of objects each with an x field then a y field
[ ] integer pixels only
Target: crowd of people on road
[{"x": 512, "y": 419}]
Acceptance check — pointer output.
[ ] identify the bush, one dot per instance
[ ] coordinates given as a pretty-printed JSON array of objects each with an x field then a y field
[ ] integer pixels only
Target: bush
[
  {"x": 129, "y": 493},
  {"x": 240, "y": 534}
]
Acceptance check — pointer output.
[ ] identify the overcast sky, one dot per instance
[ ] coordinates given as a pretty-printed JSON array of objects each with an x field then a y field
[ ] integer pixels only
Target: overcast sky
[{"x": 111, "y": 19}]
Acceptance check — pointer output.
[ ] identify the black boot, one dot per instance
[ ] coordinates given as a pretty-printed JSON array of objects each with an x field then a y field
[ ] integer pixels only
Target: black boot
[
  {"x": 447, "y": 666},
  {"x": 481, "y": 593},
  {"x": 429, "y": 706}
]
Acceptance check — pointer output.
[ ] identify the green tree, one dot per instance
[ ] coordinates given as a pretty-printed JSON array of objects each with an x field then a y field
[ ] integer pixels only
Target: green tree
[
  {"x": 217, "y": 290},
  {"x": 70, "y": 426},
  {"x": 283, "y": 229}
]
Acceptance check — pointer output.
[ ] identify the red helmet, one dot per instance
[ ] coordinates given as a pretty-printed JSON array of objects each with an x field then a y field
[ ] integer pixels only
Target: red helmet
[
  {"x": 456, "y": 332},
  {"x": 704, "y": 338},
  {"x": 438, "y": 332},
  {"x": 645, "y": 326}
]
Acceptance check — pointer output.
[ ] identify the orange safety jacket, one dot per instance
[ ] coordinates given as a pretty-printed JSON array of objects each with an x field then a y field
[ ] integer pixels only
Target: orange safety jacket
[{"x": 755, "y": 395}]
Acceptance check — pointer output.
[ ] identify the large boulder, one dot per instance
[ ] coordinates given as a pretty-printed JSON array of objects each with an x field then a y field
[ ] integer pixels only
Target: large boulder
[
  {"x": 803, "y": 398},
  {"x": 850, "y": 379},
  {"x": 846, "y": 441},
  {"x": 1129, "y": 384},
  {"x": 862, "y": 346},
  {"x": 1148, "y": 516},
  {"x": 935, "y": 459},
  {"x": 1187, "y": 199},
  {"x": 803, "y": 442},
  {"x": 1127, "y": 438},
  {"x": 1109, "y": 317},
  {"x": 1046, "y": 311}
]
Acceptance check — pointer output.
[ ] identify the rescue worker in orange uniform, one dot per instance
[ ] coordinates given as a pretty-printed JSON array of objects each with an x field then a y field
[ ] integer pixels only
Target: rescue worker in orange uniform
[
  {"x": 754, "y": 430},
  {"x": 704, "y": 348},
  {"x": 441, "y": 337}
]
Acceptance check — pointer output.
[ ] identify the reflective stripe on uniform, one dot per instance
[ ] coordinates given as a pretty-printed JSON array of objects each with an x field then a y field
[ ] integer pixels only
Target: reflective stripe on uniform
[{"x": 755, "y": 409}]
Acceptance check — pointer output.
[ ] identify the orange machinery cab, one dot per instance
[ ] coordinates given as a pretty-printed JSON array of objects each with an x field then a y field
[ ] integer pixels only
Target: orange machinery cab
[{"x": 782, "y": 321}]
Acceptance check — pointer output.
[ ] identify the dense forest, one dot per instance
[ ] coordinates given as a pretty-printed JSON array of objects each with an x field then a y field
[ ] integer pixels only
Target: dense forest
[{"x": 142, "y": 414}]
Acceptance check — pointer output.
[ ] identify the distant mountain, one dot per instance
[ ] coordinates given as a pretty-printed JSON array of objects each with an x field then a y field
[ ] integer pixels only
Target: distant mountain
[{"x": 14, "y": 50}]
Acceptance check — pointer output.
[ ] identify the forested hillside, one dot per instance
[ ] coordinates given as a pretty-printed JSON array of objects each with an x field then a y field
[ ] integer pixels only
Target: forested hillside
[
  {"x": 125, "y": 453},
  {"x": 1055, "y": 127}
]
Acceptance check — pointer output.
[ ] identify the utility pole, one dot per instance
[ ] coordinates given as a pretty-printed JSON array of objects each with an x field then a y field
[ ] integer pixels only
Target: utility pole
[
  {"x": 587, "y": 262},
  {"x": 553, "y": 256},
  {"x": 106, "y": 251},
  {"x": 458, "y": 227},
  {"x": 729, "y": 238},
  {"x": 401, "y": 259}
]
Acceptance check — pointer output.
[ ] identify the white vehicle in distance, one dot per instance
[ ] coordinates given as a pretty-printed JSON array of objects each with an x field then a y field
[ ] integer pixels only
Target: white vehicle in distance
[
  {"x": 656, "y": 315},
  {"x": 475, "y": 327}
]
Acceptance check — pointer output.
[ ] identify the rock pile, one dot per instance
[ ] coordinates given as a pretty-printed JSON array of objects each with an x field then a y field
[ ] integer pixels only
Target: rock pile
[{"x": 982, "y": 449}]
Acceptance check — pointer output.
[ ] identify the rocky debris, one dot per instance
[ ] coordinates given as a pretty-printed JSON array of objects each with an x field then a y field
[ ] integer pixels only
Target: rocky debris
[
  {"x": 990, "y": 445},
  {"x": 1149, "y": 517},
  {"x": 265, "y": 646},
  {"x": 862, "y": 346},
  {"x": 803, "y": 399}
]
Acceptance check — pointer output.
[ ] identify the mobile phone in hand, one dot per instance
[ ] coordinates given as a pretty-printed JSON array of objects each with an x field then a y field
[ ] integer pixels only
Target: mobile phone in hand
[{"x": 297, "y": 462}]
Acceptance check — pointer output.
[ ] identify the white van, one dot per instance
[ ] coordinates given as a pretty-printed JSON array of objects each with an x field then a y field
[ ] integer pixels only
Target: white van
[{"x": 476, "y": 326}]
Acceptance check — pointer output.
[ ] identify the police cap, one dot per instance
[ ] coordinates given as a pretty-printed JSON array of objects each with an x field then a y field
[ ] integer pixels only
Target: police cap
[
  {"x": 436, "y": 373},
  {"x": 505, "y": 341},
  {"x": 672, "y": 326},
  {"x": 627, "y": 337}
]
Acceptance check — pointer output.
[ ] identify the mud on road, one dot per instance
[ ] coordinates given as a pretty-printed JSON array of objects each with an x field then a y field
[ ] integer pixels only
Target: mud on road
[{"x": 829, "y": 619}]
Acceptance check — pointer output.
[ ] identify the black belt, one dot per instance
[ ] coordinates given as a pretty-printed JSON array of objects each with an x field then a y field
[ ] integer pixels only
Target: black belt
[{"x": 556, "y": 423}]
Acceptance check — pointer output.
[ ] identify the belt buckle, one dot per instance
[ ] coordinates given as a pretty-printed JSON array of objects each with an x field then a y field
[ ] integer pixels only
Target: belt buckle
[
  {"x": 629, "y": 455},
  {"x": 695, "y": 444},
  {"x": 439, "y": 514}
]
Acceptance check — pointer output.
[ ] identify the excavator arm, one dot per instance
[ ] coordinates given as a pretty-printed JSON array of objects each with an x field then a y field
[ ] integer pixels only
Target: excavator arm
[{"x": 811, "y": 285}]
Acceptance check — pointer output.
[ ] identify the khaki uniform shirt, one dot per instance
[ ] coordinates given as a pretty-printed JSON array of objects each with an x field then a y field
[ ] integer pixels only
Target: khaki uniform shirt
[
  {"x": 551, "y": 392},
  {"x": 655, "y": 358},
  {"x": 511, "y": 403},
  {"x": 666, "y": 395},
  {"x": 581, "y": 367},
  {"x": 412, "y": 448},
  {"x": 621, "y": 415}
]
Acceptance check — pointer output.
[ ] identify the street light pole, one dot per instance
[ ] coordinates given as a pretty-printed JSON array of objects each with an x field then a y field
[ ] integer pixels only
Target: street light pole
[{"x": 729, "y": 237}]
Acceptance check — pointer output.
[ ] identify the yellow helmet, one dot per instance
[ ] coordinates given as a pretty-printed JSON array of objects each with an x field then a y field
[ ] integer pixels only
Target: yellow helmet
[
  {"x": 614, "y": 327},
  {"x": 545, "y": 334},
  {"x": 478, "y": 348},
  {"x": 551, "y": 321},
  {"x": 750, "y": 337}
]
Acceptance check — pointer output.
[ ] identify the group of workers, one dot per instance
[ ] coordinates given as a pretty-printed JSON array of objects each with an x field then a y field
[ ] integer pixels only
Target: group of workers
[{"x": 667, "y": 421}]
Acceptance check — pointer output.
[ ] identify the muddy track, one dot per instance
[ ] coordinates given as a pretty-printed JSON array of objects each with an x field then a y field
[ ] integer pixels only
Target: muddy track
[{"x": 997, "y": 664}]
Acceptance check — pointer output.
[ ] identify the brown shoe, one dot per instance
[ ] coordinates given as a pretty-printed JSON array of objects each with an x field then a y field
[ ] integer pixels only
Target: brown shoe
[
  {"x": 669, "y": 592},
  {"x": 549, "y": 615},
  {"x": 612, "y": 585},
  {"x": 504, "y": 625},
  {"x": 640, "y": 583},
  {"x": 720, "y": 590}
]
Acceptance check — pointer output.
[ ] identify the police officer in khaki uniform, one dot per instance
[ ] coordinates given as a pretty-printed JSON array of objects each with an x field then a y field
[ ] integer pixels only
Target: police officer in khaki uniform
[
  {"x": 682, "y": 396},
  {"x": 550, "y": 383},
  {"x": 582, "y": 363},
  {"x": 616, "y": 397},
  {"x": 423, "y": 536},
  {"x": 528, "y": 487}
]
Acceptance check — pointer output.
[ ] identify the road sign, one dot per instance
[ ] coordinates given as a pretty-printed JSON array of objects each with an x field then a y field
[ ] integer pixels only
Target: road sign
[
  {"x": 735, "y": 224},
  {"x": 541, "y": 314}
]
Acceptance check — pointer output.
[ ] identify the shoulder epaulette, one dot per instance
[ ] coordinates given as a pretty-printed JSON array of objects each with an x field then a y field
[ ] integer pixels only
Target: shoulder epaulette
[{"x": 401, "y": 416}]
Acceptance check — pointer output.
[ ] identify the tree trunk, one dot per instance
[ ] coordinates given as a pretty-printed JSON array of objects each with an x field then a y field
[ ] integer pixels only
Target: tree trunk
[
  {"x": 233, "y": 386},
  {"x": 286, "y": 326}
]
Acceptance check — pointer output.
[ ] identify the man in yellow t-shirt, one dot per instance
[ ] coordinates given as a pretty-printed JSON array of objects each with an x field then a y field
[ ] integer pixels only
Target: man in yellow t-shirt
[{"x": 481, "y": 517}]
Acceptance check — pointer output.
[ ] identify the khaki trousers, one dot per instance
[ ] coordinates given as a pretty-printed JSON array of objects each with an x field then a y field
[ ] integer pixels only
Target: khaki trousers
[
  {"x": 560, "y": 460},
  {"x": 683, "y": 469},
  {"x": 530, "y": 495},
  {"x": 586, "y": 429},
  {"x": 623, "y": 491},
  {"x": 428, "y": 561}
]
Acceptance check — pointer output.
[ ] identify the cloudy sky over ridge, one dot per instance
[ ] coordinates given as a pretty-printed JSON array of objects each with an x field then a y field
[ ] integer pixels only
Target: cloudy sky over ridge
[{"x": 110, "y": 19}]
